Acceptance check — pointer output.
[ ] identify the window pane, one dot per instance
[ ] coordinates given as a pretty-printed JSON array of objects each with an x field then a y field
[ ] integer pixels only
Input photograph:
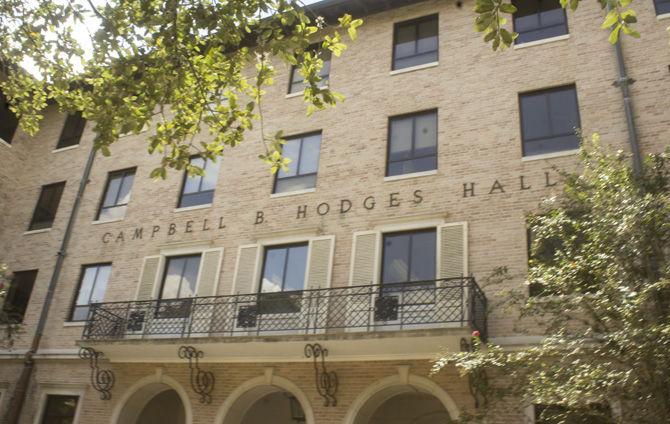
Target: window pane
[
  {"x": 273, "y": 270},
  {"x": 405, "y": 41},
  {"x": 401, "y": 139},
  {"x": 563, "y": 109},
  {"x": 173, "y": 276},
  {"x": 551, "y": 145},
  {"x": 47, "y": 206},
  {"x": 18, "y": 294},
  {"x": 427, "y": 36},
  {"x": 72, "y": 130},
  {"x": 417, "y": 60},
  {"x": 535, "y": 116},
  {"x": 86, "y": 286},
  {"x": 425, "y": 134},
  {"x": 112, "y": 190},
  {"x": 126, "y": 186},
  {"x": 112, "y": 213},
  {"x": 98, "y": 294},
  {"x": 555, "y": 16},
  {"x": 211, "y": 175},
  {"x": 295, "y": 268},
  {"x": 286, "y": 185},
  {"x": 190, "y": 277},
  {"x": 8, "y": 121},
  {"x": 60, "y": 409},
  {"x": 395, "y": 265},
  {"x": 423, "y": 256},
  {"x": 662, "y": 6},
  {"x": 539, "y": 19},
  {"x": 291, "y": 150},
  {"x": 80, "y": 313},
  {"x": 309, "y": 162}
]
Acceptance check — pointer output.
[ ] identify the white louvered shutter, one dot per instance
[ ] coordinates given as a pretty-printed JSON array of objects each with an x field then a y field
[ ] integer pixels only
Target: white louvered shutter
[
  {"x": 319, "y": 268},
  {"x": 452, "y": 256},
  {"x": 148, "y": 277},
  {"x": 364, "y": 272},
  {"x": 210, "y": 268},
  {"x": 244, "y": 283}
]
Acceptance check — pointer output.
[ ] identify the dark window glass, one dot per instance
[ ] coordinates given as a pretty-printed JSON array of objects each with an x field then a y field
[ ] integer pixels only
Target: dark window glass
[
  {"x": 297, "y": 81},
  {"x": 72, "y": 130},
  {"x": 548, "y": 120},
  {"x": 179, "y": 285},
  {"x": 284, "y": 270},
  {"x": 662, "y": 6},
  {"x": 60, "y": 409},
  {"x": 553, "y": 414},
  {"x": 92, "y": 286},
  {"x": 412, "y": 144},
  {"x": 47, "y": 206},
  {"x": 301, "y": 174},
  {"x": 8, "y": 120},
  {"x": 117, "y": 195},
  {"x": 409, "y": 257},
  {"x": 18, "y": 295},
  {"x": 199, "y": 190},
  {"x": 539, "y": 19},
  {"x": 415, "y": 42}
]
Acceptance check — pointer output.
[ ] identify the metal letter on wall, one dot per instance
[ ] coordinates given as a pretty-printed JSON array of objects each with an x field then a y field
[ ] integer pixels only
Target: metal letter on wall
[
  {"x": 202, "y": 382},
  {"x": 101, "y": 380},
  {"x": 326, "y": 381}
]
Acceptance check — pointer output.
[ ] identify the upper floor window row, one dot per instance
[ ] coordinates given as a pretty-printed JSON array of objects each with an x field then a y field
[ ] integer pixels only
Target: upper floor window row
[
  {"x": 72, "y": 131},
  {"x": 415, "y": 42},
  {"x": 8, "y": 120},
  {"x": 537, "y": 20},
  {"x": 47, "y": 206},
  {"x": 198, "y": 190},
  {"x": 117, "y": 195},
  {"x": 297, "y": 81}
]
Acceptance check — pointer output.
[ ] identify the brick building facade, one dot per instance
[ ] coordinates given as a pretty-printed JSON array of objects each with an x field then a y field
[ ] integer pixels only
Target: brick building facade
[{"x": 377, "y": 259}]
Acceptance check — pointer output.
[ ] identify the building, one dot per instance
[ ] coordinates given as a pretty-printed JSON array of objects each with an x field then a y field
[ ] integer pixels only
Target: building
[{"x": 379, "y": 260}]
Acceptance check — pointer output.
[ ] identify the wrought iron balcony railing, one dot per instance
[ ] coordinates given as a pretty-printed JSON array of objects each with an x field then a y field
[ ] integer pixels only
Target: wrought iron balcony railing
[{"x": 417, "y": 305}]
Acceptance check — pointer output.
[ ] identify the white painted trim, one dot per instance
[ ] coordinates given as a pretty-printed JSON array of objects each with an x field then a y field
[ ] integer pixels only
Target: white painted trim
[
  {"x": 218, "y": 270},
  {"x": 157, "y": 378},
  {"x": 409, "y": 225},
  {"x": 4, "y": 143},
  {"x": 63, "y": 149},
  {"x": 286, "y": 238},
  {"x": 193, "y": 208},
  {"x": 98, "y": 222},
  {"x": 663, "y": 16},
  {"x": 74, "y": 323},
  {"x": 268, "y": 379},
  {"x": 402, "y": 379},
  {"x": 352, "y": 259},
  {"x": 550, "y": 155},
  {"x": 330, "y": 259},
  {"x": 292, "y": 193},
  {"x": 139, "y": 279},
  {"x": 47, "y": 389},
  {"x": 438, "y": 251},
  {"x": 414, "y": 68},
  {"x": 412, "y": 175},
  {"x": 540, "y": 42},
  {"x": 43, "y": 230},
  {"x": 188, "y": 249},
  {"x": 237, "y": 264}
]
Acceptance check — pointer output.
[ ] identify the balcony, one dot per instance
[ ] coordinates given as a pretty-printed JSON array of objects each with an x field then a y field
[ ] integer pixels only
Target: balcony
[{"x": 434, "y": 308}]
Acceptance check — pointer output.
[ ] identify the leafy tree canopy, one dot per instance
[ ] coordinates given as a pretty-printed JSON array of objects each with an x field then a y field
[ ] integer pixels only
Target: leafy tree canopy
[{"x": 600, "y": 270}]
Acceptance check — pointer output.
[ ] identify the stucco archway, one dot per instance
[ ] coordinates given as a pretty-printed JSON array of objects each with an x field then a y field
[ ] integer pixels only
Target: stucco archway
[
  {"x": 365, "y": 405},
  {"x": 236, "y": 405},
  {"x": 134, "y": 400}
]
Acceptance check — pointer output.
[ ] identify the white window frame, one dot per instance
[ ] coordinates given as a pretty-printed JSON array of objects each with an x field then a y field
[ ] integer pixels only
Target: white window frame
[{"x": 45, "y": 391}]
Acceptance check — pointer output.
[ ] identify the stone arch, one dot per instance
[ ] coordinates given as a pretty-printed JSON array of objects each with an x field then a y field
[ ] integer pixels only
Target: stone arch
[
  {"x": 244, "y": 396},
  {"x": 130, "y": 405},
  {"x": 377, "y": 393}
]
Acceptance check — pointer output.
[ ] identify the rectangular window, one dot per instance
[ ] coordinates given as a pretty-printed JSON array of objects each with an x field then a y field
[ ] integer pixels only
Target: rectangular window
[
  {"x": 284, "y": 269},
  {"x": 18, "y": 295},
  {"x": 47, "y": 206},
  {"x": 72, "y": 130},
  {"x": 412, "y": 145},
  {"x": 409, "y": 256},
  {"x": 539, "y": 19},
  {"x": 117, "y": 195},
  {"x": 179, "y": 285},
  {"x": 8, "y": 120},
  {"x": 304, "y": 154},
  {"x": 548, "y": 120},
  {"x": 60, "y": 409},
  {"x": 92, "y": 287},
  {"x": 662, "y": 6},
  {"x": 415, "y": 42},
  {"x": 297, "y": 81},
  {"x": 199, "y": 189}
]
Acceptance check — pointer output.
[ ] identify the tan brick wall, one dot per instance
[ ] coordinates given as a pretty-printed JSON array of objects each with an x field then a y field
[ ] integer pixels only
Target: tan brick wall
[{"x": 475, "y": 91}]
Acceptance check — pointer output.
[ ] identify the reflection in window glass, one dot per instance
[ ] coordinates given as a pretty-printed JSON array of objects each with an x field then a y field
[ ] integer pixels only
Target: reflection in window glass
[
  {"x": 117, "y": 195},
  {"x": 662, "y": 6},
  {"x": 47, "y": 206},
  {"x": 412, "y": 144},
  {"x": 302, "y": 170},
  {"x": 72, "y": 130},
  {"x": 297, "y": 81},
  {"x": 415, "y": 42},
  {"x": 181, "y": 275},
  {"x": 92, "y": 287},
  {"x": 18, "y": 295},
  {"x": 284, "y": 271},
  {"x": 199, "y": 189},
  {"x": 539, "y": 19},
  {"x": 409, "y": 256},
  {"x": 60, "y": 409}
]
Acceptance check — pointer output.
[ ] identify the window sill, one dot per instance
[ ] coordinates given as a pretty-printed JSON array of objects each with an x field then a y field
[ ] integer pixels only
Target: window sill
[
  {"x": 63, "y": 149},
  {"x": 663, "y": 16},
  {"x": 74, "y": 323},
  {"x": 43, "y": 230},
  {"x": 412, "y": 175},
  {"x": 109, "y": 221},
  {"x": 414, "y": 68},
  {"x": 4, "y": 143},
  {"x": 301, "y": 92},
  {"x": 540, "y": 42},
  {"x": 193, "y": 208},
  {"x": 550, "y": 155},
  {"x": 292, "y": 193}
]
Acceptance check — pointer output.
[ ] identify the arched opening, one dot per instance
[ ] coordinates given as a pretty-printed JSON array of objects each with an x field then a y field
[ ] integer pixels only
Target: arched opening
[
  {"x": 410, "y": 408},
  {"x": 153, "y": 403}
]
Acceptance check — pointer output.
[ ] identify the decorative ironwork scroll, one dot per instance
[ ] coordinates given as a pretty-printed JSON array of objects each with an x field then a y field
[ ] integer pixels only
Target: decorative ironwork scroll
[
  {"x": 101, "y": 380},
  {"x": 202, "y": 382},
  {"x": 326, "y": 381},
  {"x": 478, "y": 380}
]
